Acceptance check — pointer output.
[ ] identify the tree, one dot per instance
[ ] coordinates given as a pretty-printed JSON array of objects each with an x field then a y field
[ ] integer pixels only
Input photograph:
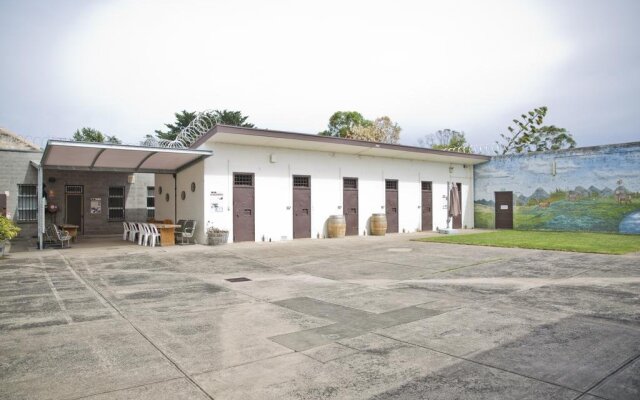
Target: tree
[
  {"x": 528, "y": 134},
  {"x": 184, "y": 118},
  {"x": 446, "y": 139},
  {"x": 94, "y": 136},
  {"x": 381, "y": 130},
  {"x": 341, "y": 124}
]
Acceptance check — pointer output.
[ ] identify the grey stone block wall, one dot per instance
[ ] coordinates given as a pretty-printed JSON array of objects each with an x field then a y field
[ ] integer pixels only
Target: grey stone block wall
[{"x": 15, "y": 169}]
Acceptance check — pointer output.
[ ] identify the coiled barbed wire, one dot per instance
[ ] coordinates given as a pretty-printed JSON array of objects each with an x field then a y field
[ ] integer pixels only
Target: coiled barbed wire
[{"x": 201, "y": 124}]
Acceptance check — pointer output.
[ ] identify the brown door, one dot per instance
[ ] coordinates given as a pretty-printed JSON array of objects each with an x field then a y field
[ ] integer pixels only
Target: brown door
[
  {"x": 350, "y": 204},
  {"x": 73, "y": 210},
  {"x": 427, "y": 207},
  {"x": 504, "y": 210},
  {"x": 243, "y": 208},
  {"x": 3, "y": 204},
  {"x": 457, "y": 220},
  {"x": 391, "y": 205},
  {"x": 301, "y": 207}
]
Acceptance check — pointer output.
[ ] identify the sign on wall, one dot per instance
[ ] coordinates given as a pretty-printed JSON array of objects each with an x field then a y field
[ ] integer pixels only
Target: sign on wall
[{"x": 96, "y": 205}]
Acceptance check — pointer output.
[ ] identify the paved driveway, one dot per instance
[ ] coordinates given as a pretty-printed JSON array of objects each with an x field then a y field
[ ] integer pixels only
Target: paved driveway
[{"x": 359, "y": 318}]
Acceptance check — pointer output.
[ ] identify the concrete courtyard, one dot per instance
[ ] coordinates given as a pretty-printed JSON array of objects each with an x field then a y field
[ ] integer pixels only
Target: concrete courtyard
[{"x": 355, "y": 318}]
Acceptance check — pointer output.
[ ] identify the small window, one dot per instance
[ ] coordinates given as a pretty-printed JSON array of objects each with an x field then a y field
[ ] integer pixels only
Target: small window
[
  {"x": 75, "y": 189},
  {"x": 151, "y": 202},
  {"x": 426, "y": 186},
  {"x": 301, "y": 181},
  {"x": 116, "y": 203},
  {"x": 350, "y": 183},
  {"x": 243, "y": 180},
  {"x": 183, "y": 195},
  {"x": 391, "y": 184},
  {"x": 27, "y": 203},
  {"x": 193, "y": 186}
]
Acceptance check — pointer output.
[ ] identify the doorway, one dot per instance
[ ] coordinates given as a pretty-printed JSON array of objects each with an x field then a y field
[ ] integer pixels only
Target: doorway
[
  {"x": 301, "y": 206},
  {"x": 244, "y": 229},
  {"x": 504, "y": 210},
  {"x": 391, "y": 205},
  {"x": 74, "y": 207},
  {"x": 350, "y": 204},
  {"x": 427, "y": 207},
  {"x": 457, "y": 220}
]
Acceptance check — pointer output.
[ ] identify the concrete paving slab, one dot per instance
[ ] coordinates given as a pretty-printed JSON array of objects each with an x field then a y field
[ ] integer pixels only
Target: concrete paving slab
[
  {"x": 220, "y": 338},
  {"x": 168, "y": 390},
  {"x": 329, "y": 352},
  {"x": 76, "y": 360},
  {"x": 573, "y": 352},
  {"x": 467, "y": 331},
  {"x": 623, "y": 385},
  {"x": 470, "y": 381}
]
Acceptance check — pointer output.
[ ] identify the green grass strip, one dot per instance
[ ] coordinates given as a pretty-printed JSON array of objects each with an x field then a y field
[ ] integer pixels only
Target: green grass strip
[{"x": 583, "y": 242}]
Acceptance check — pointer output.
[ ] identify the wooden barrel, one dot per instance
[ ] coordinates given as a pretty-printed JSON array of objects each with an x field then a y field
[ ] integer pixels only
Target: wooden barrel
[
  {"x": 378, "y": 224},
  {"x": 336, "y": 226}
]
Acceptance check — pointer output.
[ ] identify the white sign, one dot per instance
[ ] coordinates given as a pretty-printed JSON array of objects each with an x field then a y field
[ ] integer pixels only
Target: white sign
[
  {"x": 96, "y": 205},
  {"x": 504, "y": 207}
]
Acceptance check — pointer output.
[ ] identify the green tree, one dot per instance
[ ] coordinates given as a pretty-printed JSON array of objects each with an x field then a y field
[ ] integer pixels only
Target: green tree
[
  {"x": 341, "y": 124},
  {"x": 528, "y": 134},
  {"x": 446, "y": 139},
  {"x": 382, "y": 130},
  {"x": 184, "y": 118},
  {"x": 94, "y": 136}
]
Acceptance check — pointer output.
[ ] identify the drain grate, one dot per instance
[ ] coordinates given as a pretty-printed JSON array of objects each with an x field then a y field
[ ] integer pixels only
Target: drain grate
[{"x": 242, "y": 279}]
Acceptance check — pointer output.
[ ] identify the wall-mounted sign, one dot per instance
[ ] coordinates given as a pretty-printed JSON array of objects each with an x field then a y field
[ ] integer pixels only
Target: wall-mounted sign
[
  {"x": 504, "y": 207},
  {"x": 96, "y": 205}
]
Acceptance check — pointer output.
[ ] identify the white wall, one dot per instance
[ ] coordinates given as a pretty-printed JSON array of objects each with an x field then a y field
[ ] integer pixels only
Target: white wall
[
  {"x": 273, "y": 191},
  {"x": 192, "y": 207},
  {"x": 165, "y": 209}
]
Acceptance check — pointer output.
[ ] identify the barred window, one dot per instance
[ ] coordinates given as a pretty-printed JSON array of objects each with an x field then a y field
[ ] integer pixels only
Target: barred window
[
  {"x": 116, "y": 203},
  {"x": 391, "y": 184},
  {"x": 151, "y": 202},
  {"x": 350, "y": 183},
  {"x": 27, "y": 203},
  {"x": 301, "y": 181},
  {"x": 426, "y": 186},
  {"x": 243, "y": 180}
]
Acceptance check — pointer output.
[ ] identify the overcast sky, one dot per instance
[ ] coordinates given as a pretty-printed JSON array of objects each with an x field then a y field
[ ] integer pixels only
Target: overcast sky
[{"x": 124, "y": 67}]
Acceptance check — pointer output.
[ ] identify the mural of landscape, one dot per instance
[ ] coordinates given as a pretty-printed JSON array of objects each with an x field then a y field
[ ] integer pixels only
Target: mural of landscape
[{"x": 590, "y": 189}]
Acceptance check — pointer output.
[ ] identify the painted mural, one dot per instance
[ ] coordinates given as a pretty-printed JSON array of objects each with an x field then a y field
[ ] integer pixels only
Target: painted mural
[{"x": 585, "y": 189}]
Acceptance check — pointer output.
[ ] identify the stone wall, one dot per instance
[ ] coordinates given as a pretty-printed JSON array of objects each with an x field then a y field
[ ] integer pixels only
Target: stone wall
[{"x": 583, "y": 189}]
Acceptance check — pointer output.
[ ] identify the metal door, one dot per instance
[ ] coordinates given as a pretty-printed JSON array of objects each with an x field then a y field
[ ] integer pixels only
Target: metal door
[
  {"x": 427, "y": 207},
  {"x": 243, "y": 208},
  {"x": 73, "y": 210},
  {"x": 504, "y": 210},
  {"x": 350, "y": 204},
  {"x": 457, "y": 220},
  {"x": 391, "y": 205},
  {"x": 301, "y": 206}
]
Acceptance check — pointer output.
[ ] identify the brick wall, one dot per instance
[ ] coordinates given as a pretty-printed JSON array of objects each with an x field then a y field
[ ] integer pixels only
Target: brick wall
[{"x": 15, "y": 169}]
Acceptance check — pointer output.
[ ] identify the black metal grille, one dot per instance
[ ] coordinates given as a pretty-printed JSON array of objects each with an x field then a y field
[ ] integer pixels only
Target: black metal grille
[
  {"x": 426, "y": 185},
  {"x": 116, "y": 203},
  {"x": 350, "y": 183},
  {"x": 27, "y": 203},
  {"x": 301, "y": 181},
  {"x": 76, "y": 189},
  {"x": 243, "y": 180},
  {"x": 391, "y": 184}
]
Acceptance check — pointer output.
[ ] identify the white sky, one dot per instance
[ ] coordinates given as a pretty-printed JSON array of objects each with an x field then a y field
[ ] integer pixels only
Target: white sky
[{"x": 124, "y": 67}]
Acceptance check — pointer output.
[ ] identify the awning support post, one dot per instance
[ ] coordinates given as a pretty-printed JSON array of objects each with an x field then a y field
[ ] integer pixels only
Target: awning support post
[{"x": 41, "y": 206}]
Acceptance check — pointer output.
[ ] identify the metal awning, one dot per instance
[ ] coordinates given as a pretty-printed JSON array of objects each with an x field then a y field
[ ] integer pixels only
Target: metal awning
[{"x": 60, "y": 154}]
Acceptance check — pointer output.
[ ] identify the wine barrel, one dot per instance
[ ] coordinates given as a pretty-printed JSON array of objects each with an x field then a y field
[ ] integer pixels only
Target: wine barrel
[
  {"x": 378, "y": 224},
  {"x": 336, "y": 226}
]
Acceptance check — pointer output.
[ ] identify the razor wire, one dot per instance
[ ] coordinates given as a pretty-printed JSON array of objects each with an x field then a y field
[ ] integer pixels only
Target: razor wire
[{"x": 201, "y": 124}]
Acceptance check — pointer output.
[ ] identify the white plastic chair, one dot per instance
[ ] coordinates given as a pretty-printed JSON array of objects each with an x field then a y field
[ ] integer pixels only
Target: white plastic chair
[
  {"x": 153, "y": 235},
  {"x": 133, "y": 231},
  {"x": 125, "y": 232},
  {"x": 144, "y": 234}
]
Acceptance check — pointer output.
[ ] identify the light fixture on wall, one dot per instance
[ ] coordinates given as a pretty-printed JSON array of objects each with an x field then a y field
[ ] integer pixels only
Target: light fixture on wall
[{"x": 131, "y": 178}]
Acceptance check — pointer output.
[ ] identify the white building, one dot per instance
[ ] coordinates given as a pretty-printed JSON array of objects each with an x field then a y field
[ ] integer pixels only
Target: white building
[{"x": 249, "y": 183}]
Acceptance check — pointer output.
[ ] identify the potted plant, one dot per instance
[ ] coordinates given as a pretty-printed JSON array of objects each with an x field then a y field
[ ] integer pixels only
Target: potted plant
[
  {"x": 8, "y": 230},
  {"x": 217, "y": 236}
]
